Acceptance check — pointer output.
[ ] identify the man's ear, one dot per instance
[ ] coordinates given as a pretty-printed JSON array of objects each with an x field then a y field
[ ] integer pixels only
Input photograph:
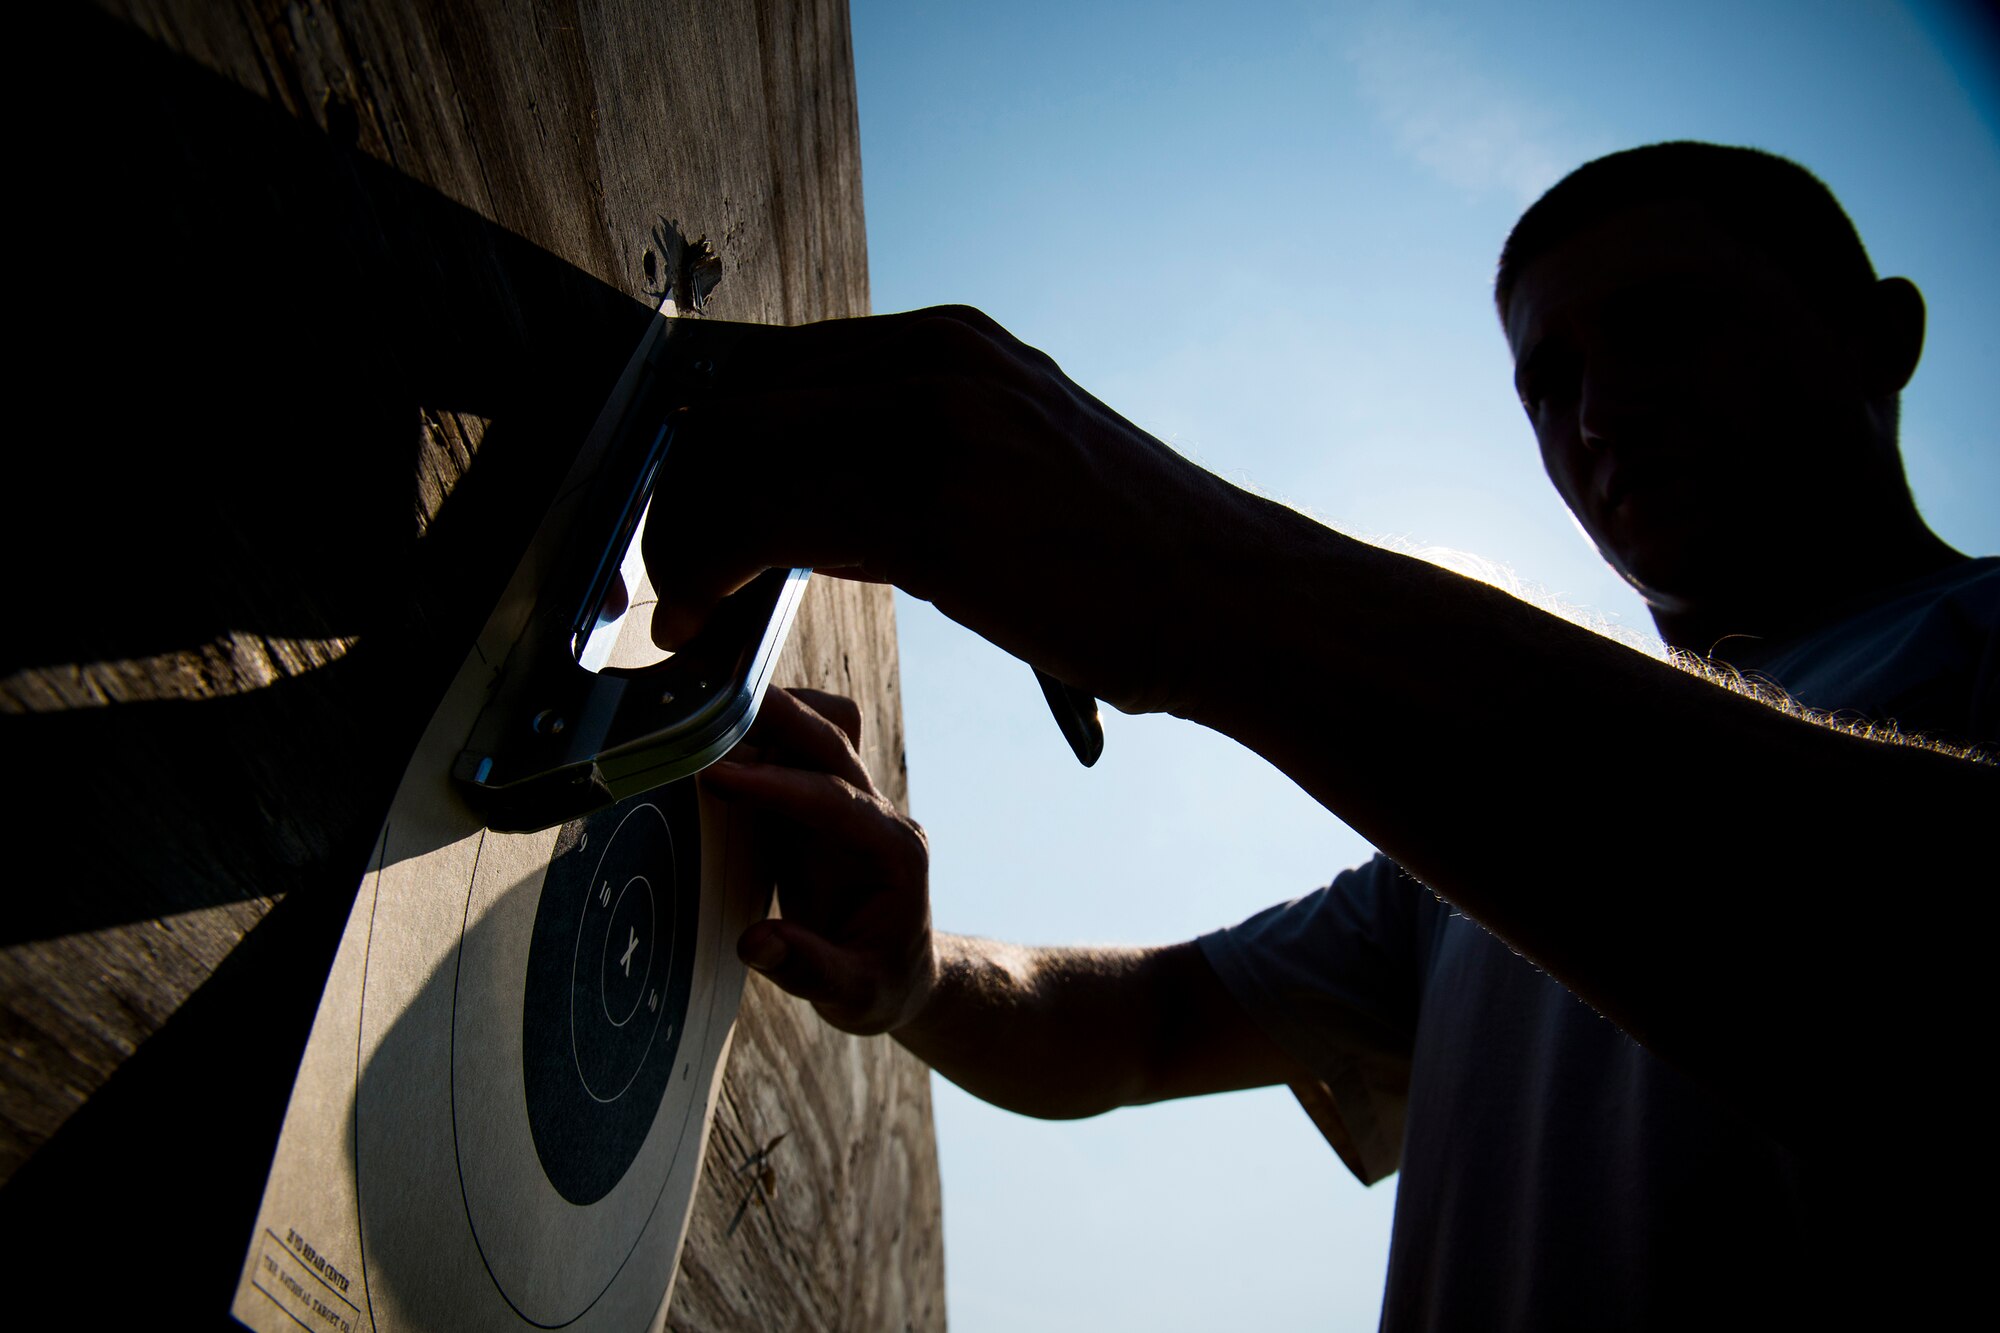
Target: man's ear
[{"x": 1891, "y": 335}]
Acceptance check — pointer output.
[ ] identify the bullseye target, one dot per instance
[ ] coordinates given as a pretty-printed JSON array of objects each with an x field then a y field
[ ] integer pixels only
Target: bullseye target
[
  {"x": 606, "y": 993},
  {"x": 570, "y": 1103},
  {"x": 537, "y": 1061}
]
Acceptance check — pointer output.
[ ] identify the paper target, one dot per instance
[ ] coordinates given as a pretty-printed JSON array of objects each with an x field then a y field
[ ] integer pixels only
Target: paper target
[{"x": 569, "y": 1102}]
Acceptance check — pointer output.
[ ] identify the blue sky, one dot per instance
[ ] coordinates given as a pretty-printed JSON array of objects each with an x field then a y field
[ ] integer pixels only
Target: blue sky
[{"x": 1269, "y": 240}]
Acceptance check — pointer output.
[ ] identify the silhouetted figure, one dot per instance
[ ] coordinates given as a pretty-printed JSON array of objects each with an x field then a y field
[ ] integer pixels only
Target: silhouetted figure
[{"x": 1780, "y": 919}]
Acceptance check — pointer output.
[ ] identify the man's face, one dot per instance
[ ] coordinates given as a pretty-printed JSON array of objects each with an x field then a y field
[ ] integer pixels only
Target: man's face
[{"x": 1691, "y": 404}]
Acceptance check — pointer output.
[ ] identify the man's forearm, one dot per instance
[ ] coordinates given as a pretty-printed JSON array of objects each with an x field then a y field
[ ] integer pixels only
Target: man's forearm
[
  {"x": 1055, "y": 1033},
  {"x": 1067, "y": 1033}
]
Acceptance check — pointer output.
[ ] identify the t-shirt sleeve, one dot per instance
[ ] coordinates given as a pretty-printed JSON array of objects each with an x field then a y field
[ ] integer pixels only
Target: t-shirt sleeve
[{"x": 1334, "y": 978}]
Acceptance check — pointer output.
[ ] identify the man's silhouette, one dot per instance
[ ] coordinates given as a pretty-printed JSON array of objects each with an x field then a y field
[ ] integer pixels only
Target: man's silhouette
[{"x": 1663, "y": 1000}]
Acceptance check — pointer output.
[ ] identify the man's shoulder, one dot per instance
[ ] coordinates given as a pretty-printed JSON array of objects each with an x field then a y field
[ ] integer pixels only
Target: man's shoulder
[
  {"x": 1367, "y": 932},
  {"x": 1358, "y": 897},
  {"x": 1924, "y": 657},
  {"x": 1972, "y": 583}
]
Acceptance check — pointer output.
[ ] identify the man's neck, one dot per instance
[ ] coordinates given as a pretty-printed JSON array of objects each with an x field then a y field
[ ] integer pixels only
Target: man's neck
[{"x": 1858, "y": 574}]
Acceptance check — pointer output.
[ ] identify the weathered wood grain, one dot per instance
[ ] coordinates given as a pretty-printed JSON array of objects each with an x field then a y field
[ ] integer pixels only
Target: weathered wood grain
[
  {"x": 338, "y": 288},
  {"x": 841, "y": 1221}
]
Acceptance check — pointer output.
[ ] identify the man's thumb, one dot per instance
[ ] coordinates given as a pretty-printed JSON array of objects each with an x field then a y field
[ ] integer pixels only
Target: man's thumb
[{"x": 800, "y": 962}]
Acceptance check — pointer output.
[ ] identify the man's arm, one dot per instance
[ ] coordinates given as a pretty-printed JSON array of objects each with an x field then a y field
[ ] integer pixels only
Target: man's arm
[
  {"x": 1056, "y": 1033},
  {"x": 1066, "y": 1033},
  {"x": 1752, "y": 896},
  {"x": 1731, "y": 885}
]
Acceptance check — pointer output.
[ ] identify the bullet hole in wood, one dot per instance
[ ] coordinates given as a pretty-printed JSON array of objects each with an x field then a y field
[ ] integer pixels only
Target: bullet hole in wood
[{"x": 686, "y": 270}]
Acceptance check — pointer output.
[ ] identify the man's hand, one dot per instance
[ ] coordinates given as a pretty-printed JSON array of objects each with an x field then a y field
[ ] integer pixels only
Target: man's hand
[
  {"x": 935, "y": 451},
  {"x": 852, "y": 873},
  {"x": 1046, "y": 1032}
]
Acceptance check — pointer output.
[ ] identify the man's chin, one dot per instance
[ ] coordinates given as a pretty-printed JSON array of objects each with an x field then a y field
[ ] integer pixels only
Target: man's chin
[
  {"x": 1708, "y": 597},
  {"x": 1681, "y": 557},
  {"x": 1676, "y": 585}
]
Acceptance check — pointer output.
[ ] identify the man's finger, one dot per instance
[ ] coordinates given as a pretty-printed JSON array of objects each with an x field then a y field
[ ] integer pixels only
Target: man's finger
[
  {"x": 821, "y": 803},
  {"x": 835, "y": 353},
  {"x": 805, "y": 965},
  {"x": 803, "y": 509},
  {"x": 838, "y": 709},
  {"x": 676, "y": 623},
  {"x": 851, "y": 574},
  {"x": 616, "y": 599},
  {"x": 823, "y": 738}
]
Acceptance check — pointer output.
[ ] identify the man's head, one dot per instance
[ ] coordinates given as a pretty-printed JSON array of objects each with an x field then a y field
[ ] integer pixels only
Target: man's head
[
  {"x": 1711, "y": 367},
  {"x": 1770, "y": 204}
]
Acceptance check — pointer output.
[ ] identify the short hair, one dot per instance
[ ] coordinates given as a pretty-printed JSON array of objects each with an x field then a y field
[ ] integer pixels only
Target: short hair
[{"x": 1769, "y": 203}]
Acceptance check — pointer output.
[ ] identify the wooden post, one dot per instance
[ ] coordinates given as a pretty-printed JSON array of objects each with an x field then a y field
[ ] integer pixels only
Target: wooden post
[{"x": 322, "y": 297}]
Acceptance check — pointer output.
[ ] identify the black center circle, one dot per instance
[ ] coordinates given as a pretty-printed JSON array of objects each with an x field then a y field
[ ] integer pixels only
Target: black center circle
[{"x": 606, "y": 995}]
